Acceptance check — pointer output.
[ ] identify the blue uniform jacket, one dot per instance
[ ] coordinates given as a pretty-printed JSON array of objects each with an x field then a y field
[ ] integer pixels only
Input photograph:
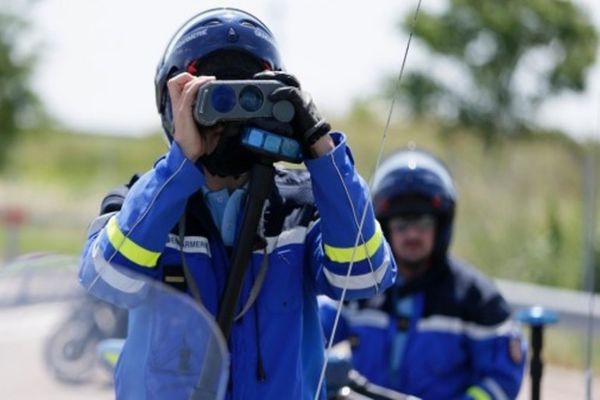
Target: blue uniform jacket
[
  {"x": 460, "y": 340},
  {"x": 309, "y": 229}
]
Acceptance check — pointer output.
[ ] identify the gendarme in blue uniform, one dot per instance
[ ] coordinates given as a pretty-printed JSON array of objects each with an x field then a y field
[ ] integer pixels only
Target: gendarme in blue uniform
[
  {"x": 309, "y": 227},
  {"x": 456, "y": 340},
  {"x": 446, "y": 333}
]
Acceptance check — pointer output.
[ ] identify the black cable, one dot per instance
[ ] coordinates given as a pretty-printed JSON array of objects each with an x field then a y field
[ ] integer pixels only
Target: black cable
[{"x": 261, "y": 374}]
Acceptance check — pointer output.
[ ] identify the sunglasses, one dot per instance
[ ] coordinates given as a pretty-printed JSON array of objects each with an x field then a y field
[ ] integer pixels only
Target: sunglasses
[{"x": 422, "y": 222}]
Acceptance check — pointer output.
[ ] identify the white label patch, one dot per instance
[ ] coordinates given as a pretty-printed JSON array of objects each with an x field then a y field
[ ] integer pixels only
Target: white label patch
[
  {"x": 192, "y": 36},
  {"x": 191, "y": 244}
]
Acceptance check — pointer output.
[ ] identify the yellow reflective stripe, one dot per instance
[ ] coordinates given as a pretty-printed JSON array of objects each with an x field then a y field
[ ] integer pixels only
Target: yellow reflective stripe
[
  {"x": 478, "y": 393},
  {"x": 111, "y": 358},
  {"x": 128, "y": 248},
  {"x": 362, "y": 252}
]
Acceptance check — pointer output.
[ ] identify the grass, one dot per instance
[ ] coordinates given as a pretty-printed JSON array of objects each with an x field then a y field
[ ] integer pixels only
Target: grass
[
  {"x": 55, "y": 239},
  {"x": 569, "y": 348},
  {"x": 80, "y": 162}
]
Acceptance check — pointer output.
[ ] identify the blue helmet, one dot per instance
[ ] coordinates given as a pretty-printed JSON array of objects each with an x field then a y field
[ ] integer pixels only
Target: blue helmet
[
  {"x": 413, "y": 181},
  {"x": 215, "y": 30}
]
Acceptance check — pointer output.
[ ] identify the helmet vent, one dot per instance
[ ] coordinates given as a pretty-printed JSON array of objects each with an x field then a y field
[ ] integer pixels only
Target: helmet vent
[
  {"x": 232, "y": 35},
  {"x": 212, "y": 22},
  {"x": 249, "y": 24}
]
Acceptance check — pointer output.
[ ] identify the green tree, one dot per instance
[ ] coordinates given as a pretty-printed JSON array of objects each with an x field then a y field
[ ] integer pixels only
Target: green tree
[
  {"x": 19, "y": 107},
  {"x": 498, "y": 60}
]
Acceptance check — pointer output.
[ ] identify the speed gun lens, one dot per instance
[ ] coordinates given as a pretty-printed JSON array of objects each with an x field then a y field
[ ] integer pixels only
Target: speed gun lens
[
  {"x": 223, "y": 98},
  {"x": 251, "y": 98}
]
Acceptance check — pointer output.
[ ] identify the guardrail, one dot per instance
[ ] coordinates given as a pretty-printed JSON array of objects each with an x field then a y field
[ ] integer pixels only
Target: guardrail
[{"x": 573, "y": 306}]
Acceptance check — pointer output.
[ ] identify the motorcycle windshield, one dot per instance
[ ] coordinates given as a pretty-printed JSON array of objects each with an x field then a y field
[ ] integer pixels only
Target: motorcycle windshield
[{"x": 59, "y": 342}]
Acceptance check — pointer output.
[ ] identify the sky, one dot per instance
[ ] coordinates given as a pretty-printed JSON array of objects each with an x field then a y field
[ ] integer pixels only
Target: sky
[{"x": 99, "y": 56}]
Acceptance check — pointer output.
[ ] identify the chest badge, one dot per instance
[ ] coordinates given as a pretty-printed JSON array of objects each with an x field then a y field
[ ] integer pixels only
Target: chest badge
[{"x": 515, "y": 349}]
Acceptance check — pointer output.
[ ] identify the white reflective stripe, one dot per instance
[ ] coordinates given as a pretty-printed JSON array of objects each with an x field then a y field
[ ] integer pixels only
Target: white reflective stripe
[
  {"x": 368, "y": 317},
  {"x": 312, "y": 224},
  {"x": 97, "y": 224},
  {"x": 456, "y": 325},
  {"x": 494, "y": 389},
  {"x": 292, "y": 236},
  {"x": 327, "y": 301},
  {"x": 111, "y": 275},
  {"x": 191, "y": 244},
  {"x": 363, "y": 281}
]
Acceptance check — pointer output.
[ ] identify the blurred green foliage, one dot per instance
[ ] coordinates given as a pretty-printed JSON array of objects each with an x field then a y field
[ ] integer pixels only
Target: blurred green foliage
[
  {"x": 81, "y": 161},
  {"x": 497, "y": 61},
  {"x": 58, "y": 178},
  {"x": 19, "y": 106},
  {"x": 519, "y": 210}
]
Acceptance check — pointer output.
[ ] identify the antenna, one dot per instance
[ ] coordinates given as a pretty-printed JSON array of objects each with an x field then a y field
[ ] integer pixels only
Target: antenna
[{"x": 590, "y": 193}]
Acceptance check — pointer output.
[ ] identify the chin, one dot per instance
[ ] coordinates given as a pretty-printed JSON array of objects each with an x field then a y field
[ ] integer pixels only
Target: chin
[
  {"x": 412, "y": 261},
  {"x": 413, "y": 257}
]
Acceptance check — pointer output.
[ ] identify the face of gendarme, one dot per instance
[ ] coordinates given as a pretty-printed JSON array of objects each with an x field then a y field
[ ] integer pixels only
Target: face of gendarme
[{"x": 412, "y": 238}]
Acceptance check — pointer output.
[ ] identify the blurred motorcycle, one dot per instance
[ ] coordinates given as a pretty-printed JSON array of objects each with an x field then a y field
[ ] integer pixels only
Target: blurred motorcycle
[
  {"x": 70, "y": 352},
  {"x": 345, "y": 383},
  {"x": 43, "y": 310}
]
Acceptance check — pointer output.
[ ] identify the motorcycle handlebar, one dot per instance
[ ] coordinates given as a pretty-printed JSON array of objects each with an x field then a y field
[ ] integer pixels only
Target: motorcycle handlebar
[{"x": 359, "y": 388}]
